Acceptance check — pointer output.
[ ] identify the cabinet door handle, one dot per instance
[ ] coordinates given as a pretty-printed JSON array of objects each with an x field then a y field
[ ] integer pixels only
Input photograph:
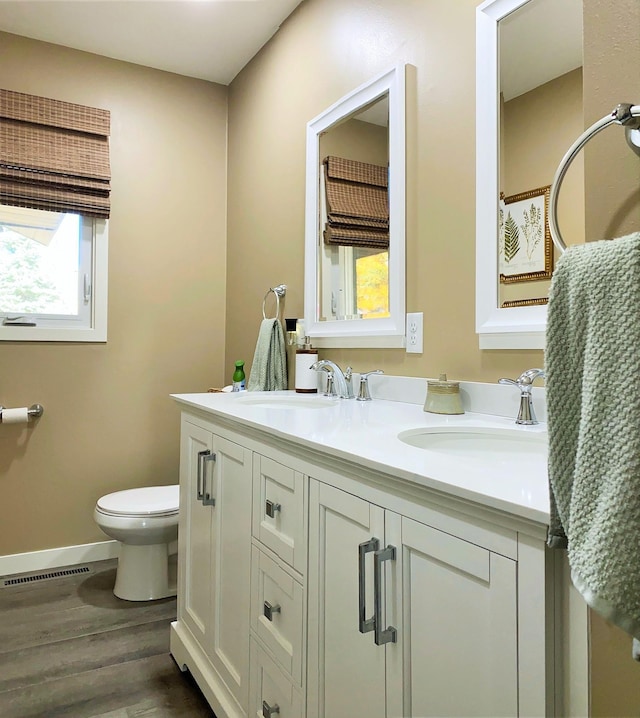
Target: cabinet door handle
[
  {"x": 269, "y": 711},
  {"x": 199, "y": 482},
  {"x": 269, "y": 610},
  {"x": 208, "y": 499},
  {"x": 271, "y": 507},
  {"x": 364, "y": 624},
  {"x": 387, "y": 635}
]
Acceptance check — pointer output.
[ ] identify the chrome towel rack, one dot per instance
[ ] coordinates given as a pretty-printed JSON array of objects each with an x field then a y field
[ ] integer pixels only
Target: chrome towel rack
[
  {"x": 279, "y": 291},
  {"x": 624, "y": 114}
]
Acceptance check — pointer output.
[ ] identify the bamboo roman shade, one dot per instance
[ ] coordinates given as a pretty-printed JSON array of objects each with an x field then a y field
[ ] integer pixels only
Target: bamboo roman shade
[
  {"x": 54, "y": 155},
  {"x": 357, "y": 203}
]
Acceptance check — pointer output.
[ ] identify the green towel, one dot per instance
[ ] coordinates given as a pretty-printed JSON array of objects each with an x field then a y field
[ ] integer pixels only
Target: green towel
[
  {"x": 269, "y": 368},
  {"x": 592, "y": 370}
]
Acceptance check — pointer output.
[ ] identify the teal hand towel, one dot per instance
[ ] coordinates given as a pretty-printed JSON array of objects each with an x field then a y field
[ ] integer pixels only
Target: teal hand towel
[
  {"x": 269, "y": 368},
  {"x": 592, "y": 369}
]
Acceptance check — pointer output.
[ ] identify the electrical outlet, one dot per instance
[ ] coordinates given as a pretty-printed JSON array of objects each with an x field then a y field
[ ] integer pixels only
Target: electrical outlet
[{"x": 414, "y": 333}]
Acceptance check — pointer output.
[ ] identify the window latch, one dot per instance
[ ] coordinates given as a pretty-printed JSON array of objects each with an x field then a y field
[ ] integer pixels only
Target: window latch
[
  {"x": 87, "y": 289},
  {"x": 17, "y": 322}
]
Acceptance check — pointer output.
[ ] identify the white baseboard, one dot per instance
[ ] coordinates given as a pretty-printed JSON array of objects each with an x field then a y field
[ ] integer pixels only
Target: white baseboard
[{"x": 56, "y": 557}]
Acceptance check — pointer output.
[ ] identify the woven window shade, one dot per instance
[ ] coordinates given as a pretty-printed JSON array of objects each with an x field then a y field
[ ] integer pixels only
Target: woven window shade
[
  {"x": 357, "y": 203},
  {"x": 54, "y": 155}
]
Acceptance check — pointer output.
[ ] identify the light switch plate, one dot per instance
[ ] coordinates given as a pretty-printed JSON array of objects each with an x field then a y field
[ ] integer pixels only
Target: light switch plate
[{"x": 414, "y": 333}]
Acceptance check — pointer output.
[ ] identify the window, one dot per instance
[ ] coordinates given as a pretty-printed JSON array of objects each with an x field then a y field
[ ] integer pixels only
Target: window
[
  {"x": 372, "y": 282},
  {"x": 54, "y": 205},
  {"x": 52, "y": 276},
  {"x": 359, "y": 282}
]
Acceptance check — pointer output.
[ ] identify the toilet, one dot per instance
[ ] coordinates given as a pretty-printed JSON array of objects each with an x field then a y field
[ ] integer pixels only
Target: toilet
[{"x": 145, "y": 522}]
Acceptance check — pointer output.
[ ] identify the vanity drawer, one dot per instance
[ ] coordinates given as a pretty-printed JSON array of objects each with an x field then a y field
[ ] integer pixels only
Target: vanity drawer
[
  {"x": 271, "y": 693},
  {"x": 277, "y": 612},
  {"x": 278, "y": 510}
]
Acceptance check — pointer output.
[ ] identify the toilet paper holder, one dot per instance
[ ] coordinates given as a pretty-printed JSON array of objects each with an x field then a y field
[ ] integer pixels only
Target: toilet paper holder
[{"x": 35, "y": 411}]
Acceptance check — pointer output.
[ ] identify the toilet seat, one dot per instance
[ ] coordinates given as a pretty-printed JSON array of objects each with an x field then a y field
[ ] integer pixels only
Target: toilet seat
[{"x": 145, "y": 502}]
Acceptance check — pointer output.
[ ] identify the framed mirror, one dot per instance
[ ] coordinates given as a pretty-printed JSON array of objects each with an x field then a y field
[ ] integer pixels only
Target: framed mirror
[
  {"x": 355, "y": 218},
  {"x": 528, "y": 113}
]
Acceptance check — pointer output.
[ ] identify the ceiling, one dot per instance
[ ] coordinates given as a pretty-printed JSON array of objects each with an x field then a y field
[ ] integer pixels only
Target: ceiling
[{"x": 208, "y": 39}]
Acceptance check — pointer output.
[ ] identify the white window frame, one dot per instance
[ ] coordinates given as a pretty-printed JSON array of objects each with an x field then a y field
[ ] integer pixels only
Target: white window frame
[{"x": 57, "y": 329}]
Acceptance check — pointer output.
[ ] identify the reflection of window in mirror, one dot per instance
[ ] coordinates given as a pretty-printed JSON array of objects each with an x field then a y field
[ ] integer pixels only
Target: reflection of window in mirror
[
  {"x": 353, "y": 250},
  {"x": 540, "y": 117}
]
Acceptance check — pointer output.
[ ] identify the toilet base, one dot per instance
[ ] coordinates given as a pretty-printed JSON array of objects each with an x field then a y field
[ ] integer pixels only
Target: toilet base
[{"x": 143, "y": 573}]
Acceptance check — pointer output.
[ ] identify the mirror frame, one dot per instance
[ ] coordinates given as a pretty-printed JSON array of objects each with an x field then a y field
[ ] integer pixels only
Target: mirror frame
[
  {"x": 354, "y": 333},
  {"x": 497, "y": 328}
]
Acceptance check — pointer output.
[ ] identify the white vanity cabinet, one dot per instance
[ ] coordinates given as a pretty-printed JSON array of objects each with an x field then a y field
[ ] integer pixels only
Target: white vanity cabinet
[
  {"x": 446, "y": 643},
  {"x": 279, "y": 546},
  {"x": 211, "y": 634}
]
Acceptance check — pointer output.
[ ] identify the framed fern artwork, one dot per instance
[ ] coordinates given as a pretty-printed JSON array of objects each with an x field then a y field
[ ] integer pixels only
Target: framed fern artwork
[{"x": 525, "y": 249}]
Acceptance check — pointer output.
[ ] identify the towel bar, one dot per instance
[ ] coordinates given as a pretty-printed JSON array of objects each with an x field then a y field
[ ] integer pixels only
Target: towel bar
[
  {"x": 626, "y": 115},
  {"x": 279, "y": 291}
]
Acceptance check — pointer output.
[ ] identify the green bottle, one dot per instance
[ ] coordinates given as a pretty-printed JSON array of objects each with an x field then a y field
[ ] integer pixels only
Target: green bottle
[{"x": 238, "y": 377}]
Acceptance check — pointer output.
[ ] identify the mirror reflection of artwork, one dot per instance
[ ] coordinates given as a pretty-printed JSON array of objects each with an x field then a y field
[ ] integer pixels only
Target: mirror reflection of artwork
[
  {"x": 525, "y": 249},
  {"x": 539, "y": 115}
]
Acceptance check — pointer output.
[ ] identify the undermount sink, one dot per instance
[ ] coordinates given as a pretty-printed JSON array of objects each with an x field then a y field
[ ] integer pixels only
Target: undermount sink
[
  {"x": 479, "y": 442},
  {"x": 288, "y": 402}
]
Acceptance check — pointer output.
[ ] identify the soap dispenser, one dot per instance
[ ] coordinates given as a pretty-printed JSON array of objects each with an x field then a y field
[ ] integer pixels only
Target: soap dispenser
[
  {"x": 306, "y": 377},
  {"x": 291, "y": 341},
  {"x": 443, "y": 397}
]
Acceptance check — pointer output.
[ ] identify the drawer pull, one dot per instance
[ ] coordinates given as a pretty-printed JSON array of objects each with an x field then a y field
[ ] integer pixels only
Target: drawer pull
[
  {"x": 365, "y": 624},
  {"x": 269, "y": 711},
  {"x": 389, "y": 634},
  {"x": 207, "y": 499},
  {"x": 199, "y": 479},
  {"x": 269, "y": 610},
  {"x": 271, "y": 508}
]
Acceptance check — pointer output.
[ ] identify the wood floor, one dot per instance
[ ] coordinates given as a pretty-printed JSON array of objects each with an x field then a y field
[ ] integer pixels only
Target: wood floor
[{"x": 69, "y": 647}]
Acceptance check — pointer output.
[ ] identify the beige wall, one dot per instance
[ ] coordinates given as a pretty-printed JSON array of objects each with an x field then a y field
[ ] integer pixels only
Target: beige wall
[
  {"x": 612, "y": 182},
  {"x": 326, "y": 49},
  {"x": 338, "y": 44},
  {"x": 109, "y": 423}
]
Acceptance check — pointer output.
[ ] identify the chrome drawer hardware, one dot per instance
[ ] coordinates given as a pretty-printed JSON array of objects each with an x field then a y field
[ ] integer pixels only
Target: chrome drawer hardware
[
  {"x": 364, "y": 624},
  {"x": 271, "y": 507},
  {"x": 268, "y": 711},
  {"x": 199, "y": 486},
  {"x": 269, "y": 610},
  {"x": 201, "y": 493},
  {"x": 389, "y": 634}
]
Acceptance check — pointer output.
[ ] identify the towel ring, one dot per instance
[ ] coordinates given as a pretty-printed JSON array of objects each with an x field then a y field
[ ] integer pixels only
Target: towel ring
[
  {"x": 624, "y": 114},
  {"x": 279, "y": 291}
]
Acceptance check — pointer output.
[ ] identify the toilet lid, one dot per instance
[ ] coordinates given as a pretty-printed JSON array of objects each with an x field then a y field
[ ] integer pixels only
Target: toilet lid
[{"x": 148, "y": 501}]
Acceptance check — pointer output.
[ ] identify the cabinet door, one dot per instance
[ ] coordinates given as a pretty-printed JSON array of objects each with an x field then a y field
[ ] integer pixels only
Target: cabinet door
[
  {"x": 346, "y": 670},
  {"x": 230, "y": 487},
  {"x": 194, "y": 545},
  {"x": 459, "y": 622}
]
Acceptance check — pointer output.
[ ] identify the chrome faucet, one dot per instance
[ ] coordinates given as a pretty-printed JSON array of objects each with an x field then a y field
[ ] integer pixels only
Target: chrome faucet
[
  {"x": 526, "y": 414},
  {"x": 363, "y": 392},
  {"x": 338, "y": 383}
]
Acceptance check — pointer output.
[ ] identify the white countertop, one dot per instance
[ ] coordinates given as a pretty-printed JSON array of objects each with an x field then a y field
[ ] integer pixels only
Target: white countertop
[{"x": 366, "y": 433}]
